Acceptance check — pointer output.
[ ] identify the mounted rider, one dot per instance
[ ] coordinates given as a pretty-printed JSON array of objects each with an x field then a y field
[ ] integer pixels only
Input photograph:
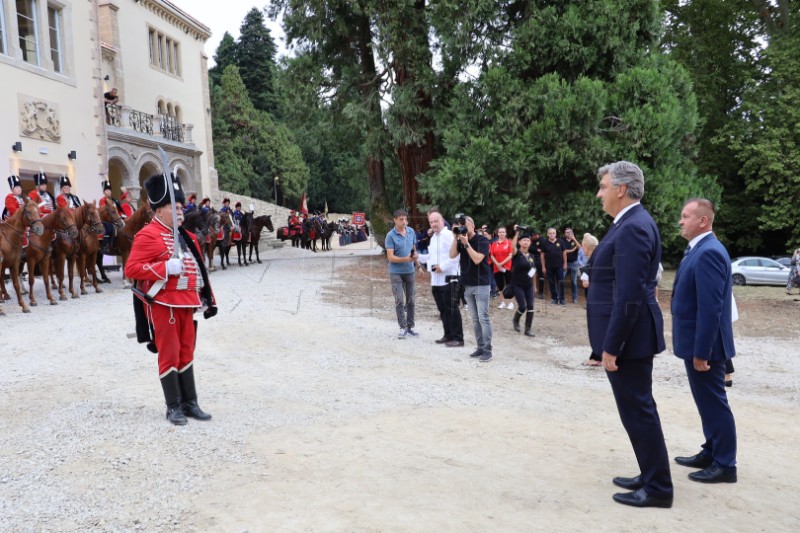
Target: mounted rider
[
  {"x": 237, "y": 217},
  {"x": 110, "y": 231},
  {"x": 66, "y": 198},
  {"x": 43, "y": 198},
  {"x": 14, "y": 199},
  {"x": 126, "y": 200},
  {"x": 226, "y": 206},
  {"x": 191, "y": 203}
]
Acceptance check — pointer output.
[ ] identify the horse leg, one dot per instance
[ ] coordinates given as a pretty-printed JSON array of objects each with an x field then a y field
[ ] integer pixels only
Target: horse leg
[
  {"x": 4, "y": 291},
  {"x": 92, "y": 260},
  {"x": 81, "y": 268},
  {"x": 15, "y": 275},
  {"x": 44, "y": 266},
  {"x": 101, "y": 268},
  {"x": 31, "y": 280}
]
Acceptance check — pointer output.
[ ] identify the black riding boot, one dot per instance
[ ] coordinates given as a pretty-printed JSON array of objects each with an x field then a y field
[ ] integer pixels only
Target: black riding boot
[
  {"x": 529, "y": 323},
  {"x": 172, "y": 395},
  {"x": 517, "y": 316},
  {"x": 189, "y": 395},
  {"x": 101, "y": 269}
]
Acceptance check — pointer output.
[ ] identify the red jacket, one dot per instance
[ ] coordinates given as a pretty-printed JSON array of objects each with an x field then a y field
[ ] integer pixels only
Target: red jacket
[
  {"x": 152, "y": 248},
  {"x": 45, "y": 206},
  {"x": 13, "y": 203}
]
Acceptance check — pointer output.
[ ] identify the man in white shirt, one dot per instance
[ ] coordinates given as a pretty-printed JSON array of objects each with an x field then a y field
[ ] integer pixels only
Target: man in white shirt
[{"x": 444, "y": 280}]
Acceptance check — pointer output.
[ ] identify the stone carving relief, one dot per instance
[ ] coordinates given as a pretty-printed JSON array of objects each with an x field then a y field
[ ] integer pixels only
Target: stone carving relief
[{"x": 39, "y": 119}]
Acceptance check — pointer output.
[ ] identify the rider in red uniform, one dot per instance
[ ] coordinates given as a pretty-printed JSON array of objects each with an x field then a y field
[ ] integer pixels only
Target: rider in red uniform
[
  {"x": 171, "y": 289},
  {"x": 14, "y": 199},
  {"x": 127, "y": 202},
  {"x": 42, "y": 197},
  {"x": 66, "y": 198}
]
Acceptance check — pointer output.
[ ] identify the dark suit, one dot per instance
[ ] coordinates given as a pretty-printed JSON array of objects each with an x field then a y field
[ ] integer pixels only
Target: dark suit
[
  {"x": 624, "y": 320},
  {"x": 702, "y": 327}
]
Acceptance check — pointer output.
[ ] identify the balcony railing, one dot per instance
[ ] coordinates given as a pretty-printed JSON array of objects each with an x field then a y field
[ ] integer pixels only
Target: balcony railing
[
  {"x": 171, "y": 129},
  {"x": 141, "y": 122},
  {"x": 158, "y": 125}
]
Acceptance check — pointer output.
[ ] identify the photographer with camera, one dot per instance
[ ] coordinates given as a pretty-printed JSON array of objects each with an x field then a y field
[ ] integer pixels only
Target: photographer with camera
[
  {"x": 444, "y": 280},
  {"x": 472, "y": 250},
  {"x": 400, "y": 244}
]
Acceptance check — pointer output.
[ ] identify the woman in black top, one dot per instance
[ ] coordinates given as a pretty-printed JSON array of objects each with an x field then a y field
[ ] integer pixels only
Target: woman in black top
[{"x": 522, "y": 272}]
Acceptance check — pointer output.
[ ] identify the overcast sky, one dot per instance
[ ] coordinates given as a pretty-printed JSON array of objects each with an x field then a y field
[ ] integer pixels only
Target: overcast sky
[{"x": 227, "y": 15}]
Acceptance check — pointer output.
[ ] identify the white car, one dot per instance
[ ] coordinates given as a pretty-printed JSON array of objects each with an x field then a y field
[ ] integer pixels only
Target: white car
[{"x": 759, "y": 271}]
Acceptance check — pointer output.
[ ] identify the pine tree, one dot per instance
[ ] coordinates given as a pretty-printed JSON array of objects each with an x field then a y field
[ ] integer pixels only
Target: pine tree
[
  {"x": 224, "y": 56},
  {"x": 255, "y": 57}
]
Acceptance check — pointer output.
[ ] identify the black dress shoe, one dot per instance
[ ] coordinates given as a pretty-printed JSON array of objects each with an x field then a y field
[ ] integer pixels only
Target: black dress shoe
[
  {"x": 715, "y": 474},
  {"x": 729, "y": 383},
  {"x": 639, "y": 498},
  {"x": 454, "y": 344},
  {"x": 630, "y": 483},
  {"x": 695, "y": 461},
  {"x": 191, "y": 409},
  {"x": 442, "y": 340}
]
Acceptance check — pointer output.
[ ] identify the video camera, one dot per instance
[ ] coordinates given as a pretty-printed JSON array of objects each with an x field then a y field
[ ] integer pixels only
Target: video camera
[{"x": 461, "y": 229}]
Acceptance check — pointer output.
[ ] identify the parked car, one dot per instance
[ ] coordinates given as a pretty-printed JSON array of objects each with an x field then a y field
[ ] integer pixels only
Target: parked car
[{"x": 759, "y": 271}]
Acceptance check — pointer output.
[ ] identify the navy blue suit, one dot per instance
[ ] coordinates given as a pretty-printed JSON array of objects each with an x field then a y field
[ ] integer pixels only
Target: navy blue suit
[
  {"x": 702, "y": 327},
  {"x": 624, "y": 320}
]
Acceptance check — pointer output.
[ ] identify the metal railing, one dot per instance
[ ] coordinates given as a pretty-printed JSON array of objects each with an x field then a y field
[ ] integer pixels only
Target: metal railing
[
  {"x": 141, "y": 122},
  {"x": 113, "y": 115},
  {"x": 171, "y": 129}
]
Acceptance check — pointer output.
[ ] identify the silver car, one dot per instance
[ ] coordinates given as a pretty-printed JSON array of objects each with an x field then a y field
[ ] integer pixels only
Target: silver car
[{"x": 759, "y": 271}]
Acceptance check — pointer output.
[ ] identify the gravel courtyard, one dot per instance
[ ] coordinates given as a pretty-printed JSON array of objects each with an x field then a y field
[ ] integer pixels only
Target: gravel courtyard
[{"x": 323, "y": 421}]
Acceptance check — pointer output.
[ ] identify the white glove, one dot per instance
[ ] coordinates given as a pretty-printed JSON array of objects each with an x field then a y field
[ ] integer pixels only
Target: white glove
[{"x": 174, "y": 266}]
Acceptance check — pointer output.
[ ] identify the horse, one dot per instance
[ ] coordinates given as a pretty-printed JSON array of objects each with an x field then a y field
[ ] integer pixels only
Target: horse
[
  {"x": 210, "y": 244},
  {"x": 110, "y": 215},
  {"x": 327, "y": 232},
  {"x": 11, "y": 232},
  {"x": 40, "y": 250},
  {"x": 224, "y": 243},
  {"x": 122, "y": 243},
  {"x": 197, "y": 221},
  {"x": 311, "y": 232},
  {"x": 255, "y": 233},
  {"x": 90, "y": 245},
  {"x": 241, "y": 245}
]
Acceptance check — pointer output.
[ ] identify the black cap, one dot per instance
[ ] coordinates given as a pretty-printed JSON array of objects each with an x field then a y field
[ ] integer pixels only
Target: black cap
[
  {"x": 64, "y": 182},
  {"x": 13, "y": 181},
  {"x": 40, "y": 179},
  {"x": 106, "y": 185}
]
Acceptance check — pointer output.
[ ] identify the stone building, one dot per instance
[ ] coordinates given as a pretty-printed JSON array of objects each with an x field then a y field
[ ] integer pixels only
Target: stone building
[{"x": 59, "y": 57}]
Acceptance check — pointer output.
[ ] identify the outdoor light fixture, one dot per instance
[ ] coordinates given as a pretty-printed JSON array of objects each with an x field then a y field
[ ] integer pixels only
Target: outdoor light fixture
[
  {"x": 72, "y": 156},
  {"x": 17, "y": 146},
  {"x": 107, "y": 77}
]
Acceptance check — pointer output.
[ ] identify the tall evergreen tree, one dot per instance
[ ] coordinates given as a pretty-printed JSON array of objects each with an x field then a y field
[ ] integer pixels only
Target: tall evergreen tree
[
  {"x": 224, "y": 56},
  {"x": 255, "y": 57}
]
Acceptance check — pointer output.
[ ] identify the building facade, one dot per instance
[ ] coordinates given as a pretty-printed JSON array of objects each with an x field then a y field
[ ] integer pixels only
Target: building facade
[{"x": 59, "y": 58}]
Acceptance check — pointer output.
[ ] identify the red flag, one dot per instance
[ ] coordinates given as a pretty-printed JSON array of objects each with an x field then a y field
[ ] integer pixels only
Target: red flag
[{"x": 303, "y": 205}]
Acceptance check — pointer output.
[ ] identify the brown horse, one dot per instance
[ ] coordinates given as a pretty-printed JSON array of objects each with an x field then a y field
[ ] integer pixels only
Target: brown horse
[
  {"x": 259, "y": 223},
  {"x": 11, "y": 232},
  {"x": 87, "y": 220},
  {"x": 91, "y": 234},
  {"x": 121, "y": 247},
  {"x": 41, "y": 248}
]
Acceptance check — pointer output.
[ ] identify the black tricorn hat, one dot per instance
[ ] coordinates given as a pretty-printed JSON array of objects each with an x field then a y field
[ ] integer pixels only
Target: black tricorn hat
[
  {"x": 157, "y": 192},
  {"x": 40, "y": 179},
  {"x": 106, "y": 185},
  {"x": 64, "y": 181},
  {"x": 13, "y": 181}
]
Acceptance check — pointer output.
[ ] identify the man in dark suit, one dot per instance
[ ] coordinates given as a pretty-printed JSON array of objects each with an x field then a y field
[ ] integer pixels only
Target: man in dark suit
[
  {"x": 702, "y": 335},
  {"x": 626, "y": 327}
]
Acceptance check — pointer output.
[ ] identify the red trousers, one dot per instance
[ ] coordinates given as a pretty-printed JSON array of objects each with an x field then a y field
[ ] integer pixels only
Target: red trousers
[{"x": 175, "y": 336}]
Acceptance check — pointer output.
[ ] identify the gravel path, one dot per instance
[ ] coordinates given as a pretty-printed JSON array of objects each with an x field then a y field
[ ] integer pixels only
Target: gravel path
[{"x": 323, "y": 421}]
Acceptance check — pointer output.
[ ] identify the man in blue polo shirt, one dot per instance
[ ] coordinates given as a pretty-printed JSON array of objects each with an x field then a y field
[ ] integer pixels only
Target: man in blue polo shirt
[{"x": 401, "y": 244}]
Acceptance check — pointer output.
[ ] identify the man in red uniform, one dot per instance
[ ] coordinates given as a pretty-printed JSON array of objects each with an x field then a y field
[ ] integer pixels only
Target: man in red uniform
[
  {"x": 42, "y": 197},
  {"x": 171, "y": 288},
  {"x": 66, "y": 198},
  {"x": 126, "y": 201},
  {"x": 14, "y": 199}
]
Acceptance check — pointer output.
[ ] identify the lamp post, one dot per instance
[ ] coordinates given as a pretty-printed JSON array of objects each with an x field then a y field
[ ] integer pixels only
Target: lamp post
[{"x": 275, "y": 188}]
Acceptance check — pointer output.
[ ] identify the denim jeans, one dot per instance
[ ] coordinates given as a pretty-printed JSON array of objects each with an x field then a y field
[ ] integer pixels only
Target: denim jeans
[
  {"x": 574, "y": 270},
  {"x": 477, "y": 297},
  {"x": 404, "y": 288}
]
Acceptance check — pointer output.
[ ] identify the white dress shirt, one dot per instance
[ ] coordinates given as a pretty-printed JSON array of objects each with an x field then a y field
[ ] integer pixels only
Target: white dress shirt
[{"x": 439, "y": 254}]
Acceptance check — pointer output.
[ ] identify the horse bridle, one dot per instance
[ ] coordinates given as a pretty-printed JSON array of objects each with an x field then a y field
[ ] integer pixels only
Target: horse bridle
[{"x": 114, "y": 221}]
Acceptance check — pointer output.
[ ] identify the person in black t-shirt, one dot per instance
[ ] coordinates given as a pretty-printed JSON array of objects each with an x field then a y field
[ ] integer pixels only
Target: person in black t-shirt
[
  {"x": 536, "y": 249},
  {"x": 472, "y": 249},
  {"x": 523, "y": 268},
  {"x": 554, "y": 264},
  {"x": 111, "y": 97},
  {"x": 573, "y": 266}
]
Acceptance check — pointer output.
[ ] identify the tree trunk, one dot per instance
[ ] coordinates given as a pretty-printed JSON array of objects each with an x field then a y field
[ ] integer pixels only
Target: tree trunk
[{"x": 380, "y": 213}]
